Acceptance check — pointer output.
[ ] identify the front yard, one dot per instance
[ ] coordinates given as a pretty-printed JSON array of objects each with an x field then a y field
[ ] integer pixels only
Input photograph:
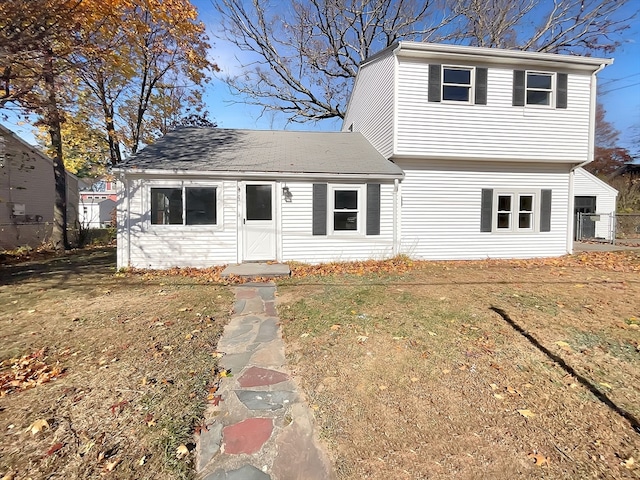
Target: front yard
[
  {"x": 419, "y": 375},
  {"x": 488, "y": 369}
]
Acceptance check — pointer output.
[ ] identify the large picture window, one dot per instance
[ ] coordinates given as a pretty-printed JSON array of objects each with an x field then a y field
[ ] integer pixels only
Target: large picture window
[{"x": 184, "y": 206}]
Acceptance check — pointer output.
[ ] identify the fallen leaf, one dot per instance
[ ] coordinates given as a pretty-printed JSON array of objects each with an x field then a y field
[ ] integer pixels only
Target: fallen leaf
[
  {"x": 526, "y": 413},
  {"x": 9, "y": 475},
  {"x": 185, "y": 309},
  {"x": 382, "y": 387},
  {"x": 38, "y": 426},
  {"x": 335, "y": 327},
  {"x": 414, "y": 379},
  {"x": 498, "y": 396},
  {"x": 433, "y": 334},
  {"x": 539, "y": 459},
  {"x": 304, "y": 335},
  {"x": 142, "y": 460},
  {"x": 111, "y": 465},
  {"x": 513, "y": 391},
  {"x": 182, "y": 451},
  {"x": 564, "y": 346},
  {"x": 362, "y": 338},
  {"x": 606, "y": 385},
  {"x": 493, "y": 386},
  {"x": 629, "y": 463},
  {"x": 54, "y": 448}
]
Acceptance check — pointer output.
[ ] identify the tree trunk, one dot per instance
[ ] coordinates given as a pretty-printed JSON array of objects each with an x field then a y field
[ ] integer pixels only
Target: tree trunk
[{"x": 52, "y": 120}]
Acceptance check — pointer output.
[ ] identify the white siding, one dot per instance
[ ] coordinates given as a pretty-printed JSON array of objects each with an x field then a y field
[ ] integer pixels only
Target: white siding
[
  {"x": 299, "y": 244},
  {"x": 588, "y": 185},
  {"x": 165, "y": 246},
  {"x": 494, "y": 131},
  {"x": 441, "y": 209},
  {"x": 371, "y": 104}
]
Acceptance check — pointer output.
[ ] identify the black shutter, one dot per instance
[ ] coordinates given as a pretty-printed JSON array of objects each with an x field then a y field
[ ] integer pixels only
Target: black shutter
[
  {"x": 518, "y": 88},
  {"x": 561, "y": 88},
  {"x": 319, "y": 209},
  {"x": 373, "y": 209},
  {"x": 486, "y": 210},
  {"x": 481, "y": 86},
  {"x": 435, "y": 82},
  {"x": 545, "y": 211}
]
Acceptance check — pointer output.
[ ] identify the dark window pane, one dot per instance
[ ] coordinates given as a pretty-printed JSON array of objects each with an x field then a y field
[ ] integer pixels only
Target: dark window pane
[
  {"x": 535, "y": 97},
  {"x": 457, "y": 76},
  {"x": 524, "y": 220},
  {"x": 259, "y": 202},
  {"x": 504, "y": 203},
  {"x": 526, "y": 203},
  {"x": 346, "y": 200},
  {"x": 345, "y": 221},
  {"x": 535, "y": 80},
  {"x": 166, "y": 206},
  {"x": 457, "y": 94},
  {"x": 201, "y": 206},
  {"x": 504, "y": 220}
]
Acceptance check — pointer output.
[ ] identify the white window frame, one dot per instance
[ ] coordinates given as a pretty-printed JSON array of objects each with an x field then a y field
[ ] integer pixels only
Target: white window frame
[
  {"x": 551, "y": 91},
  {"x": 183, "y": 185},
  {"x": 514, "y": 212},
  {"x": 470, "y": 86},
  {"x": 360, "y": 210}
]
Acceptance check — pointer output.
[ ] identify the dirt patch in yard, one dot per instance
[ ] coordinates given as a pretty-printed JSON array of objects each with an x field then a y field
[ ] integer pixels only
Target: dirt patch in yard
[
  {"x": 103, "y": 373},
  {"x": 489, "y": 369}
]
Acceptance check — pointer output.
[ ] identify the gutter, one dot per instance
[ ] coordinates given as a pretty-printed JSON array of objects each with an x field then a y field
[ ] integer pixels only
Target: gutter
[{"x": 259, "y": 175}]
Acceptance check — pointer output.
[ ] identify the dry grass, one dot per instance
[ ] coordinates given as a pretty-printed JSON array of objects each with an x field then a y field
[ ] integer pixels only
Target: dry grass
[
  {"x": 136, "y": 352},
  {"x": 414, "y": 376}
]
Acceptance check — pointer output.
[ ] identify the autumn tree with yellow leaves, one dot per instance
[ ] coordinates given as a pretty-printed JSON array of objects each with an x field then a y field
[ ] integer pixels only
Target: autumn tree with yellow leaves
[{"x": 94, "y": 61}]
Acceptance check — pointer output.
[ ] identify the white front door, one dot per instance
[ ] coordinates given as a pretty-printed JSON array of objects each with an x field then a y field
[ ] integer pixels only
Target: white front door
[{"x": 259, "y": 223}]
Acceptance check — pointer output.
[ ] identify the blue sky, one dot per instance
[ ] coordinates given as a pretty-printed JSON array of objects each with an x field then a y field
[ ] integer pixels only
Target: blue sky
[{"x": 619, "y": 87}]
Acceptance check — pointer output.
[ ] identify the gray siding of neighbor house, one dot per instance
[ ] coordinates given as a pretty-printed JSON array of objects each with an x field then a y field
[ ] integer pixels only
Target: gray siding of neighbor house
[{"x": 26, "y": 178}]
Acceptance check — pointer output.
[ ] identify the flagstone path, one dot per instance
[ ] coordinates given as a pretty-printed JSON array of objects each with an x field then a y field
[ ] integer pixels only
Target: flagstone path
[{"x": 261, "y": 428}]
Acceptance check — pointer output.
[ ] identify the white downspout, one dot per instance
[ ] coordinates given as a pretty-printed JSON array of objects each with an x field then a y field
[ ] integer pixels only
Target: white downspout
[
  {"x": 590, "y": 153},
  {"x": 396, "y": 219}
]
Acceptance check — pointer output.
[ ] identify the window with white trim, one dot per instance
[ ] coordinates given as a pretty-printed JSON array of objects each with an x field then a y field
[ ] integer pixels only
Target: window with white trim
[
  {"x": 514, "y": 212},
  {"x": 539, "y": 88},
  {"x": 184, "y": 206},
  {"x": 346, "y": 209},
  {"x": 457, "y": 84}
]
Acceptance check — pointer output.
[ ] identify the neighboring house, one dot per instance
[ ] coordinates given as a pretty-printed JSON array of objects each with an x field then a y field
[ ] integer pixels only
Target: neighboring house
[
  {"x": 471, "y": 153},
  {"x": 592, "y": 195},
  {"x": 488, "y": 139},
  {"x": 27, "y": 194},
  {"x": 98, "y": 204}
]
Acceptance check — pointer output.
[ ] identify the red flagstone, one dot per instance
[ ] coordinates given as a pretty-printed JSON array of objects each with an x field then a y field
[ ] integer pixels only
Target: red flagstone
[
  {"x": 257, "y": 377},
  {"x": 247, "y": 436}
]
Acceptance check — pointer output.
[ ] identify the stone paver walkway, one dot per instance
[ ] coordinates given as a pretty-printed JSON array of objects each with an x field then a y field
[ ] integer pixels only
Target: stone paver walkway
[{"x": 261, "y": 429}]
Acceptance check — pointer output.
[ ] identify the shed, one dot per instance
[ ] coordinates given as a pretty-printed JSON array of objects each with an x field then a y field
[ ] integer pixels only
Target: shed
[{"x": 594, "y": 196}]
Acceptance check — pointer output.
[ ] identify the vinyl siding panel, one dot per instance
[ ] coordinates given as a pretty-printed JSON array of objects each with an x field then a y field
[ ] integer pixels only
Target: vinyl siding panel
[
  {"x": 299, "y": 244},
  {"x": 371, "y": 106},
  {"x": 586, "y": 184},
  {"x": 165, "y": 246},
  {"x": 441, "y": 209},
  {"x": 495, "y": 131}
]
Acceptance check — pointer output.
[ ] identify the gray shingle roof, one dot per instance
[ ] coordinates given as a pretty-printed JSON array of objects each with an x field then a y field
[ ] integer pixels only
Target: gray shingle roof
[{"x": 218, "y": 150}]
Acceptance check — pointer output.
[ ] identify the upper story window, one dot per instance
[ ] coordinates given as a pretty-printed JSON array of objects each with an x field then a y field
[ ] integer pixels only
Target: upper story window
[
  {"x": 184, "y": 206},
  {"x": 539, "y": 88},
  {"x": 457, "y": 84},
  {"x": 545, "y": 89}
]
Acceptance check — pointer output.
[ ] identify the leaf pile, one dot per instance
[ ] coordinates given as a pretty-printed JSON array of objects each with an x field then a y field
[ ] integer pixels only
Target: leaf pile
[{"x": 27, "y": 372}]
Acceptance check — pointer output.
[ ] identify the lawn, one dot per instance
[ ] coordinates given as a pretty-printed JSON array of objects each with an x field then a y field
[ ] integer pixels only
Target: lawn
[
  {"x": 487, "y": 369},
  {"x": 103, "y": 373}
]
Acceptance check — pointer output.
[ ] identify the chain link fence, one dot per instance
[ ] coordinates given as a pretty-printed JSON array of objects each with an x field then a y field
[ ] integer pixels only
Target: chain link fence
[{"x": 621, "y": 228}]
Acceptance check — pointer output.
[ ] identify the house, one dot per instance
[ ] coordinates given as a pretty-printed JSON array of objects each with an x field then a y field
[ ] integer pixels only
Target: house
[
  {"x": 592, "y": 195},
  {"x": 27, "y": 194},
  {"x": 489, "y": 141},
  {"x": 98, "y": 203},
  {"x": 447, "y": 152}
]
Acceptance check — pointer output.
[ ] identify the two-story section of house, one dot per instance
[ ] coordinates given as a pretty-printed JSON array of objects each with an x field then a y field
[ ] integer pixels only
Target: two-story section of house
[{"x": 488, "y": 140}]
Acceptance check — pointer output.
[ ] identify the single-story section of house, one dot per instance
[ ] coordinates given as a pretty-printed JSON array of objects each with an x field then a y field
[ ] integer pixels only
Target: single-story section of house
[
  {"x": 200, "y": 197},
  {"x": 593, "y": 196}
]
